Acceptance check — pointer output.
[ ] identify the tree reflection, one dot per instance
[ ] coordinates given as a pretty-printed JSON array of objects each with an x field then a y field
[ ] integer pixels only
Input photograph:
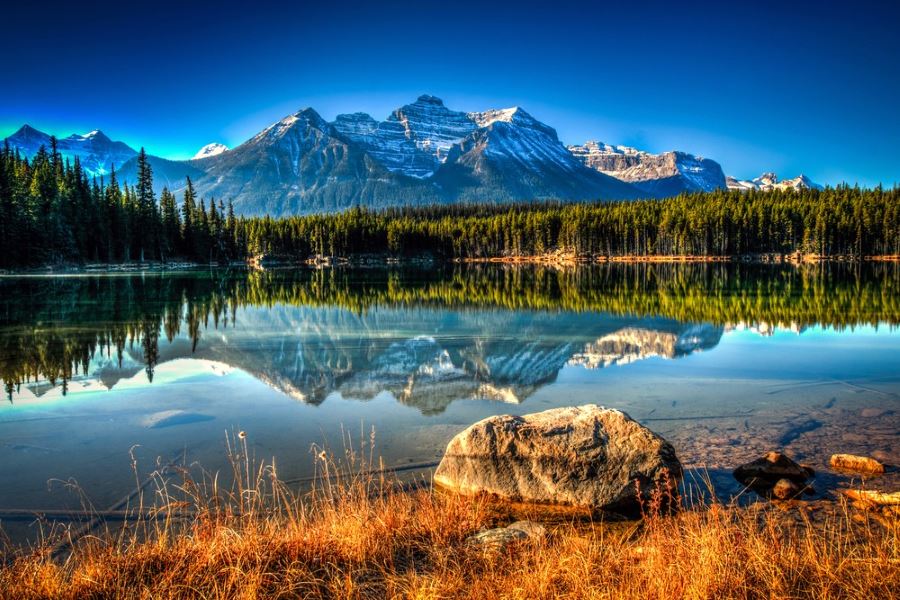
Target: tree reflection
[{"x": 51, "y": 328}]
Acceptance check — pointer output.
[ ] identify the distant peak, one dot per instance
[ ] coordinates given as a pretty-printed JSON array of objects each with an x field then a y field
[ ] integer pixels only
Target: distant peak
[
  {"x": 513, "y": 114},
  {"x": 429, "y": 99},
  {"x": 357, "y": 116},
  {"x": 95, "y": 135},
  {"x": 211, "y": 150},
  {"x": 309, "y": 115},
  {"x": 27, "y": 129}
]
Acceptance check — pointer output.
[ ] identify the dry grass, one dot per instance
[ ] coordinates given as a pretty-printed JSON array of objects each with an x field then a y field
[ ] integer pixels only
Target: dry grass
[{"x": 361, "y": 537}]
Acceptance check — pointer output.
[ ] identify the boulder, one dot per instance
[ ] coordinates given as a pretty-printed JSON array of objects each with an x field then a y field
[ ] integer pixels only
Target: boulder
[
  {"x": 858, "y": 464},
  {"x": 585, "y": 456}
]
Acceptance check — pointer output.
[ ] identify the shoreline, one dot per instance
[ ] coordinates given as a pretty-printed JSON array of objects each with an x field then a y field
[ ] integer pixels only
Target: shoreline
[
  {"x": 556, "y": 259},
  {"x": 567, "y": 258},
  {"x": 368, "y": 535}
]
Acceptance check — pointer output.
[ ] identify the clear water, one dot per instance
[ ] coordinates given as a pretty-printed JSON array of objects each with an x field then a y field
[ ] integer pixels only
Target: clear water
[{"x": 727, "y": 362}]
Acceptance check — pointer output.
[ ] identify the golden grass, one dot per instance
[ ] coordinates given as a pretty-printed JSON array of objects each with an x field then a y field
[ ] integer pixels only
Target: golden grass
[{"x": 362, "y": 537}]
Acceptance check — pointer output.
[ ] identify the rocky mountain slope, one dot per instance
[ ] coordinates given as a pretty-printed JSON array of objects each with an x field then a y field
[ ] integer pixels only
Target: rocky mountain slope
[{"x": 665, "y": 174}]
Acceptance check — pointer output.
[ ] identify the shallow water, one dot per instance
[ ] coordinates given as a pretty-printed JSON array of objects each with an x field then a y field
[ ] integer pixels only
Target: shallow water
[{"x": 725, "y": 361}]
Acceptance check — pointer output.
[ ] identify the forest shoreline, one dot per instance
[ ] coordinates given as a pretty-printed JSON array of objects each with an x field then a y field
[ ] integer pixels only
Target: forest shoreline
[{"x": 559, "y": 258}]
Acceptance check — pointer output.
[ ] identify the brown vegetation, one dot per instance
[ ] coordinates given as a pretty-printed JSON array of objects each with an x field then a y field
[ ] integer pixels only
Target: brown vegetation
[{"x": 362, "y": 537}]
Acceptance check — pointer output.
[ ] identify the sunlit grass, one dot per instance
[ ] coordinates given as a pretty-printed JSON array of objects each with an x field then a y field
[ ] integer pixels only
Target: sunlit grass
[{"x": 365, "y": 536}]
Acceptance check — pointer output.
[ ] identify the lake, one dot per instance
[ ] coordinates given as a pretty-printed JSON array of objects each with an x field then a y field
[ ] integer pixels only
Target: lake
[{"x": 727, "y": 361}]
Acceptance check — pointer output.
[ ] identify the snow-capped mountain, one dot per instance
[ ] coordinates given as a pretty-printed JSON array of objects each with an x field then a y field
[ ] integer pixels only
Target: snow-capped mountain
[
  {"x": 414, "y": 140},
  {"x": 210, "y": 150},
  {"x": 665, "y": 174},
  {"x": 423, "y": 153},
  {"x": 95, "y": 151},
  {"x": 769, "y": 181}
]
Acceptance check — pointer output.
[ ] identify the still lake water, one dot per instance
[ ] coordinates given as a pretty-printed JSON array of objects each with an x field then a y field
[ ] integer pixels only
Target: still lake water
[{"x": 726, "y": 361}]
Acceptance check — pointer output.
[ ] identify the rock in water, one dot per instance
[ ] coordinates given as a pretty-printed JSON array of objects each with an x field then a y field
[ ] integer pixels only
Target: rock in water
[
  {"x": 585, "y": 456},
  {"x": 859, "y": 464},
  {"x": 766, "y": 471},
  {"x": 785, "y": 489}
]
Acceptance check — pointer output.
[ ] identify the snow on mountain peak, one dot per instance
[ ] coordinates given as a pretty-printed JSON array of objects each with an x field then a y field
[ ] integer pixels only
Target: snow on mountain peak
[
  {"x": 97, "y": 153},
  {"x": 487, "y": 117},
  {"x": 210, "y": 150},
  {"x": 666, "y": 173},
  {"x": 769, "y": 181},
  {"x": 429, "y": 99}
]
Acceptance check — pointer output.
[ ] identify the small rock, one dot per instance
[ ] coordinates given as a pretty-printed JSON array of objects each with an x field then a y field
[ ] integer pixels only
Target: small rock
[
  {"x": 871, "y": 413},
  {"x": 859, "y": 464},
  {"x": 497, "y": 539},
  {"x": 532, "y": 529},
  {"x": 785, "y": 489}
]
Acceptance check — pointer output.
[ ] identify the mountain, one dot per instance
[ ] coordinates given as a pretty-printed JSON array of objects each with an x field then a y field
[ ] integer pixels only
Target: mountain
[
  {"x": 665, "y": 174},
  {"x": 513, "y": 156},
  {"x": 769, "y": 181},
  {"x": 423, "y": 153},
  {"x": 302, "y": 164},
  {"x": 414, "y": 140},
  {"x": 210, "y": 150},
  {"x": 97, "y": 153}
]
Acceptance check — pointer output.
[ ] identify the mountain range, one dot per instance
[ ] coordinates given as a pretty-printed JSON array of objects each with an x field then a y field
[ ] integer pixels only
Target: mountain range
[{"x": 423, "y": 153}]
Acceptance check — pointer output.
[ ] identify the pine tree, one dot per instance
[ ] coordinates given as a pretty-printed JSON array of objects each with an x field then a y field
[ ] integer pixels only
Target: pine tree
[
  {"x": 188, "y": 209},
  {"x": 171, "y": 226},
  {"x": 146, "y": 207}
]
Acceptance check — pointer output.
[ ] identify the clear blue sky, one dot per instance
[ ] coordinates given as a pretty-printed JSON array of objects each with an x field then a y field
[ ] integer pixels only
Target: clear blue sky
[{"x": 809, "y": 87}]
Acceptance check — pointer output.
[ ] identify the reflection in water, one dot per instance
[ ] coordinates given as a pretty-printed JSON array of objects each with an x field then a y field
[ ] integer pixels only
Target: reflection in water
[{"x": 428, "y": 337}]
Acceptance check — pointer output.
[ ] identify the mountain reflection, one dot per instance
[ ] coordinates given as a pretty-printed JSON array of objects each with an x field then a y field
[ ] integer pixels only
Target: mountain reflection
[{"x": 427, "y": 336}]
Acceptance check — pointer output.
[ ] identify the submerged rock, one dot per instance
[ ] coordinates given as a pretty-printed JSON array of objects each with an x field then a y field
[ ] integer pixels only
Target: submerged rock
[
  {"x": 785, "y": 489},
  {"x": 173, "y": 418},
  {"x": 770, "y": 468},
  {"x": 585, "y": 456},
  {"x": 859, "y": 464}
]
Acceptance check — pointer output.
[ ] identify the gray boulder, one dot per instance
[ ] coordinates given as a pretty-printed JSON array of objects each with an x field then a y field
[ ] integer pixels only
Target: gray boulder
[{"x": 586, "y": 456}]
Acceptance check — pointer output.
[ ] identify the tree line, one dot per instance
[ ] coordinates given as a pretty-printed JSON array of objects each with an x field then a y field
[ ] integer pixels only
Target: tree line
[{"x": 51, "y": 212}]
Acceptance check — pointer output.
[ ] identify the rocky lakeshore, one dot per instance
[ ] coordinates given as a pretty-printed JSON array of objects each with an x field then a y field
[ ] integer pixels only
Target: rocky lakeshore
[{"x": 542, "y": 494}]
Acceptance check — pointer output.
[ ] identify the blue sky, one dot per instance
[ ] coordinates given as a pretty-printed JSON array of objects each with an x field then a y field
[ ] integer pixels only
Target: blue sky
[{"x": 812, "y": 87}]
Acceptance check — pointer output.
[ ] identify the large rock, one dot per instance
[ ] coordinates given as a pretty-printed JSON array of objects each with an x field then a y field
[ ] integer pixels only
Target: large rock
[
  {"x": 859, "y": 464},
  {"x": 585, "y": 456},
  {"x": 767, "y": 470}
]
